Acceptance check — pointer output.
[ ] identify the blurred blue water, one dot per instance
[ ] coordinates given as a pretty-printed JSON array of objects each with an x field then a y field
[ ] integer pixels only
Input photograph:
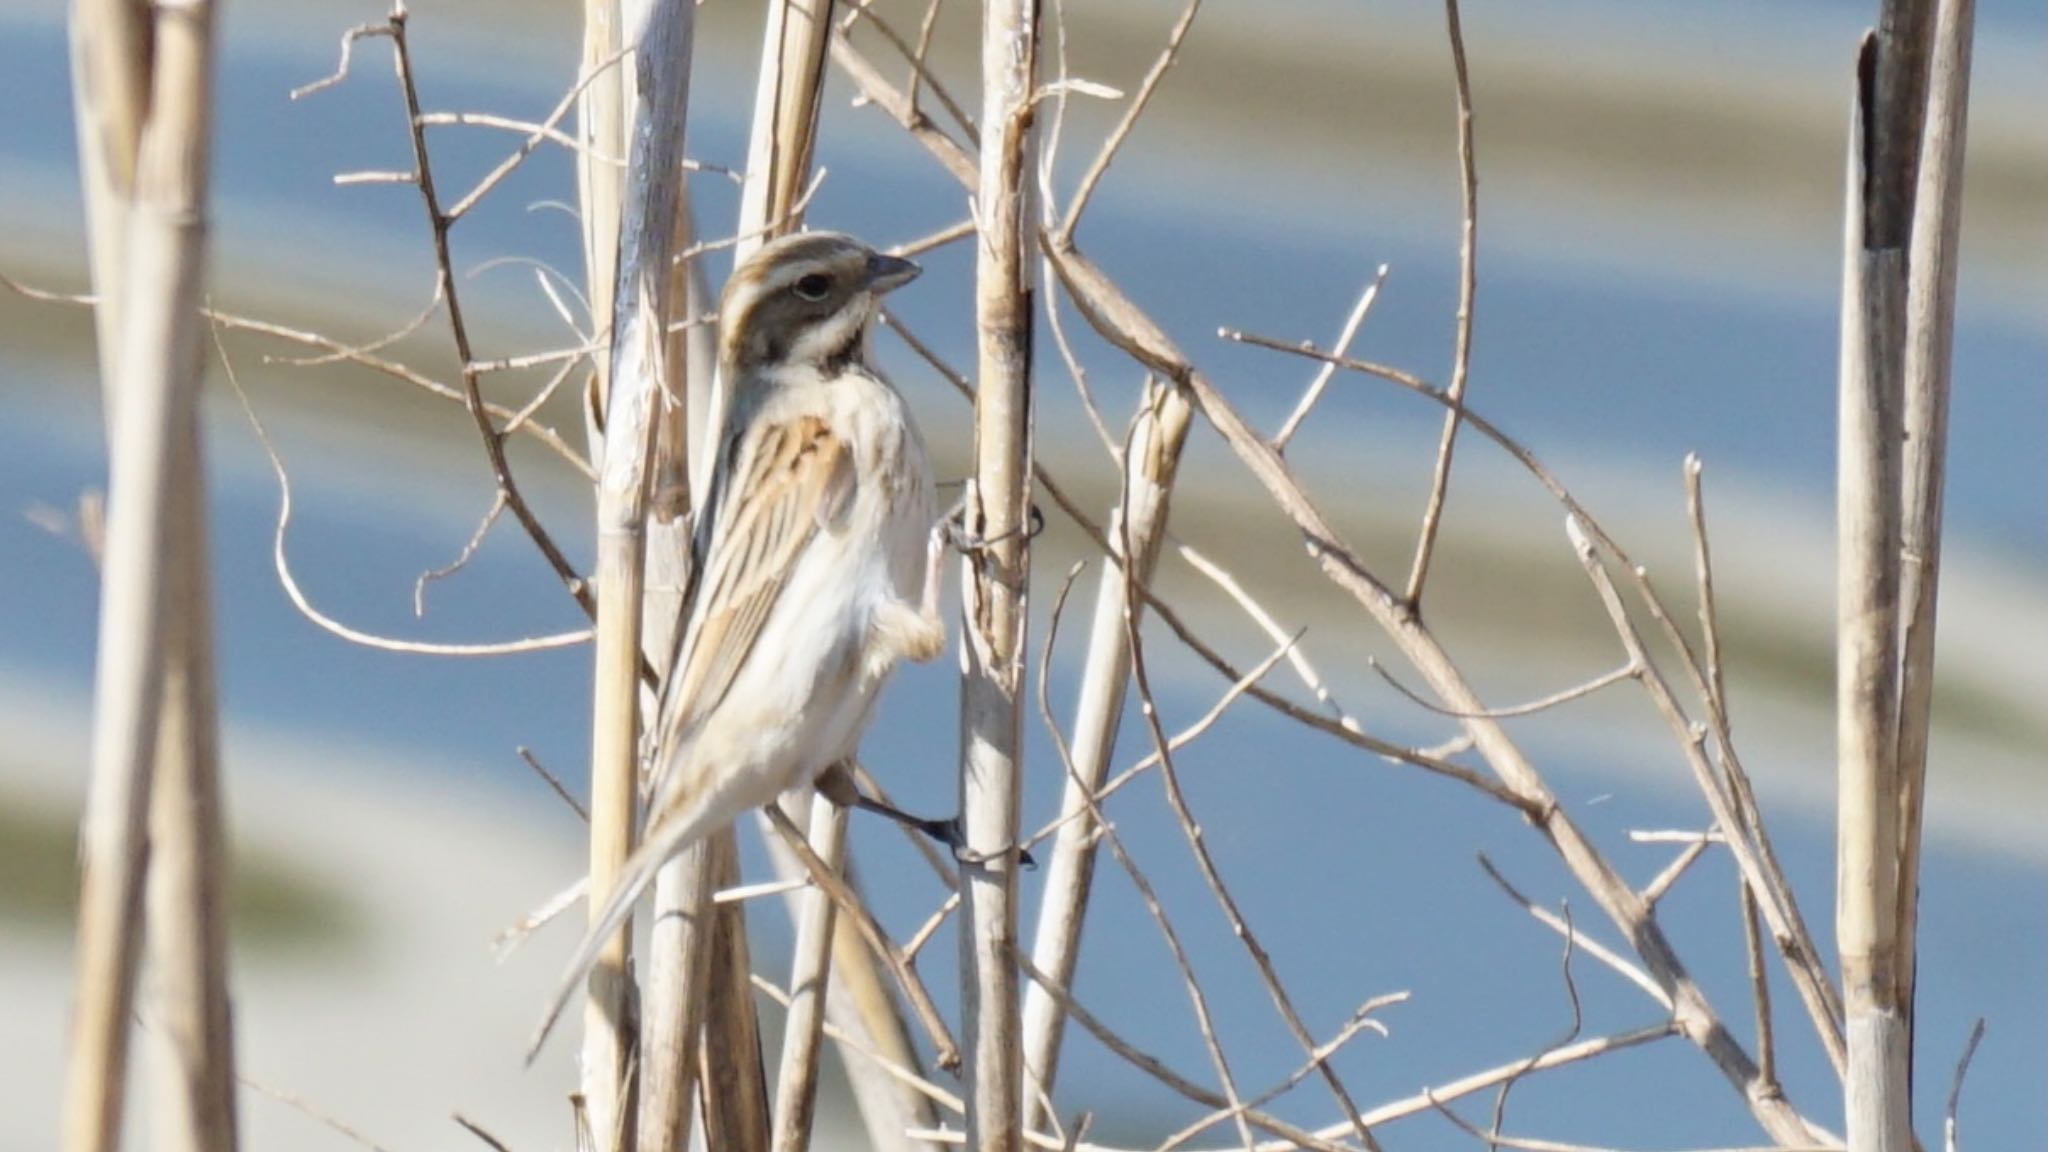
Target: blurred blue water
[{"x": 1359, "y": 877}]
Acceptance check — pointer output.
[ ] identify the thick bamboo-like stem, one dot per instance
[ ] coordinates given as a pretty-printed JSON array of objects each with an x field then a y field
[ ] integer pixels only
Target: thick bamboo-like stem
[
  {"x": 735, "y": 1085},
  {"x": 602, "y": 114},
  {"x": 790, "y": 83},
  {"x": 803, "y": 1034},
  {"x": 1930, "y": 339},
  {"x": 1150, "y": 463},
  {"x": 662, "y": 34},
  {"x": 190, "y": 1033},
  {"x": 992, "y": 649},
  {"x": 152, "y": 259},
  {"x": 785, "y": 131},
  {"x": 1867, "y": 608},
  {"x": 672, "y": 1001},
  {"x": 110, "y": 87},
  {"x": 601, "y": 128}
]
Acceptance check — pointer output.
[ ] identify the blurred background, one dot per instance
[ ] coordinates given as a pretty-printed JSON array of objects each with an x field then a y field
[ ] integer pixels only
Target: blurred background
[{"x": 1659, "y": 261}]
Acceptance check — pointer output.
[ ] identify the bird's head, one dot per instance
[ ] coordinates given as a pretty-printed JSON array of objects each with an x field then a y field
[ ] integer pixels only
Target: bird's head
[{"x": 806, "y": 299}]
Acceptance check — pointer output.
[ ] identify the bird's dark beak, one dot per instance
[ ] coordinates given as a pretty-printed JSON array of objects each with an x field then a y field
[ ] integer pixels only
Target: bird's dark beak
[{"x": 888, "y": 273}]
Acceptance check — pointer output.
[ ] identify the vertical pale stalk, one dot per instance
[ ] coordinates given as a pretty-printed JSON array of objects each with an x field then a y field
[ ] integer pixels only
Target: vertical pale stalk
[
  {"x": 785, "y": 131},
  {"x": 601, "y": 118},
  {"x": 1930, "y": 338},
  {"x": 677, "y": 949},
  {"x": 110, "y": 83},
  {"x": 735, "y": 1086},
  {"x": 1151, "y": 462},
  {"x": 154, "y": 255},
  {"x": 786, "y": 94},
  {"x": 803, "y": 1034},
  {"x": 661, "y": 34},
  {"x": 601, "y": 127},
  {"x": 1867, "y": 618},
  {"x": 992, "y": 649},
  {"x": 190, "y": 1032}
]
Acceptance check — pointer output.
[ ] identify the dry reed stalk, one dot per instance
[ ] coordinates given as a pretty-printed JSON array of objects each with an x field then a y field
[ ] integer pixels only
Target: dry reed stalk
[
  {"x": 186, "y": 1000},
  {"x": 796, "y": 1089},
  {"x": 1877, "y": 218},
  {"x": 608, "y": 1042},
  {"x": 1150, "y": 464},
  {"x": 145, "y": 109},
  {"x": 601, "y": 119},
  {"x": 785, "y": 131},
  {"x": 735, "y": 1086},
  {"x": 1930, "y": 340},
  {"x": 677, "y": 949},
  {"x": 1151, "y": 460},
  {"x": 662, "y": 33},
  {"x": 110, "y": 89},
  {"x": 998, "y": 502}
]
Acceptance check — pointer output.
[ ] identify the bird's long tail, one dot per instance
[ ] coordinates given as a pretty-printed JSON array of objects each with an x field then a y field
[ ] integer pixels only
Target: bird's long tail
[{"x": 665, "y": 839}]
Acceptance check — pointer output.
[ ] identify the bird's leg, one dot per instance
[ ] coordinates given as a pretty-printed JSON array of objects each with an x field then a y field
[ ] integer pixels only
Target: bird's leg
[
  {"x": 837, "y": 785},
  {"x": 967, "y": 541}
]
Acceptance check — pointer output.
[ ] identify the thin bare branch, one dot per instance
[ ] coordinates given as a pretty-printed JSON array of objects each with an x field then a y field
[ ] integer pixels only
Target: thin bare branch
[
  {"x": 1468, "y": 284},
  {"x": 1146, "y": 88},
  {"x": 1950, "y": 1138},
  {"x": 1314, "y": 392},
  {"x": 289, "y": 581},
  {"x": 462, "y": 558},
  {"x": 1628, "y": 671},
  {"x": 554, "y": 782}
]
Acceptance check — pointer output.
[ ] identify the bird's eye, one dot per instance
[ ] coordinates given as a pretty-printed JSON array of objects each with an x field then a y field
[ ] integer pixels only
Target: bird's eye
[{"x": 813, "y": 286}]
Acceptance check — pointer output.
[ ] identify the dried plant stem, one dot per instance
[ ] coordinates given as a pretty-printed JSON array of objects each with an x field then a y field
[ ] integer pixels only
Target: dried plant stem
[
  {"x": 1930, "y": 339},
  {"x": 601, "y": 118},
  {"x": 1158, "y": 433},
  {"x": 796, "y": 1089},
  {"x": 791, "y": 81},
  {"x": 1118, "y": 320},
  {"x": 154, "y": 747},
  {"x": 662, "y": 37},
  {"x": 1867, "y": 616},
  {"x": 1468, "y": 283},
  {"x": 439, "y": 223},
  {"x": 735, "y": 1085},
  {"x": 110, "y": 90},
  {"x": 1150, "y": 460},
  {"x": 186, "y": 996},
  {"x": 678, "y": 957},
  {"x": 993, "y": 649}
]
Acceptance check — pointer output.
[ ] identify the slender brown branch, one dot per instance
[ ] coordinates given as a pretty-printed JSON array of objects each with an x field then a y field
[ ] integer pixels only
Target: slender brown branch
[
  {"x": 1115, "y": 142},
  {"x": 438, "y": 224},
  {"x": 1328, "y": 371},
  {"x": 1468, "y": 283}
]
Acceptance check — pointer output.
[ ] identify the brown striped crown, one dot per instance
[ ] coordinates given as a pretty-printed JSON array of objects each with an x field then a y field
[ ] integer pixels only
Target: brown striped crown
[{"x": 804, "y": 299}]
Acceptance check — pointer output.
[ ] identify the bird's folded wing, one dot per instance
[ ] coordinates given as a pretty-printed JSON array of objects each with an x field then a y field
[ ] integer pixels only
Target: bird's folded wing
[{"x": 790, "y": 479}]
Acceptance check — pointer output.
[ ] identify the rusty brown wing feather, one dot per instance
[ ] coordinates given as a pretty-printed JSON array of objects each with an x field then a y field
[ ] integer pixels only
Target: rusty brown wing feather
[{"x": 794, "y": 478}]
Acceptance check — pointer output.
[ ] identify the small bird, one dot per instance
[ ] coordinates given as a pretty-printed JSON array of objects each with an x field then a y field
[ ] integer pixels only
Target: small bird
[{"x": 817, "y": 559}]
